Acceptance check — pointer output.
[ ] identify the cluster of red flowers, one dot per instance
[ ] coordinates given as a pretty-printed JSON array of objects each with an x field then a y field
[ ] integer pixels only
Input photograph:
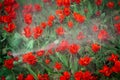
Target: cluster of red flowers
[
  {"x": 66, "y": 3},
  {"x": 84, "y": 76},
  {"x": 106, "y": 70},
  {"x": 37, "y": 31},
  {"x": 10, "y": 7},
  {"x": 61, "y": 14},
  {"x": 31, "y": 8},
  {"x": 31, "y": 77},
  {"x": 43, "y": 77}
]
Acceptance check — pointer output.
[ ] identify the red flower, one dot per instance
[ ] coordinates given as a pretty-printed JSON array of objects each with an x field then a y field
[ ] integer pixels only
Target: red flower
[
  {"x": 11, "y": 27},
  {"x": 60, "y": 31},
  {"x": 103, "y": 35},
  {"x": 67, "y": 75},
  {"x": 62, "y": 46},
  {"x": 66, "y": 11},
  {"x": 8, "y": 63},
  {"x": 95, "y": 47},
  {"x": 20, "y": 77},
  {"x": 113, "y": 57},
  {"x": 27, "y": 32},
  {"x": 9, "y": 9},
  {"x": 118, "y": 3},
  {"x": 16, "y": 5},
  {"x": 116, "y": 67},
  {"x": 98, "y": 13},
  {"x": 98, "y": 2},
  {"x": 110, "y": 4},
  {"x": 29, "y": 58},
  {"x": 74, "y": 48},
  {"x": 28, "y": 18},
  {"x": 43, "y": 77},
  {"x": 106, "y": 71},
  {"x": 3, "y": 78},
  {"x": 0, "y": 5},
  {"x": 51, "y": 18},
  {"x": 70, "y": 24},
  {"x": 37, "y": 7},
  {"x": 29, "y": 77},
  {"x": 59, "y": 12},
  {"x": 40, "y": 53},
  {"x": 95, "y": 28},
  {"x": 78, "y": 75},
  {"x": 78, "y": 17},
  {"x": 5, "y": 19},
  {"x": 43, "y": 25},
  {"x": 77, "y": 1},
  {"x": 50, "y": 51},
  {"x": 117, "y": 27},
  {"x": 58, "y": 66},
  {"x": 87, "y": 75},
  {"x": 9, "y": 53},
  {"x": 116, "y": 18},
  {"x": 84, "y": 61},
  {"x": 12, "y": 15},
  {"x": 37, "y": 32},
  {"x": 50, "y": 23},
  {"x": 47, "y": 61},
  {"x": 16, "y": 58},
  {"x": 59, "y": 3},
  {"x": 28, "y": 8},
  {"x": 63, "y": 78},
  {"x": 80, "y": 36},
  {"x": 66, "y": 3},
  {"x": 8, "y": 2},
  {"x": 61, "y": 18}
]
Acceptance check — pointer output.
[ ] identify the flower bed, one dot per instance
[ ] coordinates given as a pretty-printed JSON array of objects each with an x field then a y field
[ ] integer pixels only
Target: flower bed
[{"x": 59, "y": 40}]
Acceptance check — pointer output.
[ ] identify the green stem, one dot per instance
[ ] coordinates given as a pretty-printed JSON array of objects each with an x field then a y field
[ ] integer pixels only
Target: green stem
[
  {"x": 31, "y": 71},
  {"x": 13, "y": 75}
]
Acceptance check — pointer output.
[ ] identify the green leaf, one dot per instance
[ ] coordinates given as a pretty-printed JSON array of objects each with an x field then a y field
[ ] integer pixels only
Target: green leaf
[
  {"x": 63, "y": 58},
  {"x": 53, "y": 58},
  {"x": 29, "y": 44},
  {"x": 31, "y": 71},
  {"x": 15, "y": 40},
  {"x": 75, "y": 65}
]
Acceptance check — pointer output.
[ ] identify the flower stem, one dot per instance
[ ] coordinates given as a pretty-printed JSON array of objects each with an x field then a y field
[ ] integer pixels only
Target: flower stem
[{"x": 31, "y": 71}]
